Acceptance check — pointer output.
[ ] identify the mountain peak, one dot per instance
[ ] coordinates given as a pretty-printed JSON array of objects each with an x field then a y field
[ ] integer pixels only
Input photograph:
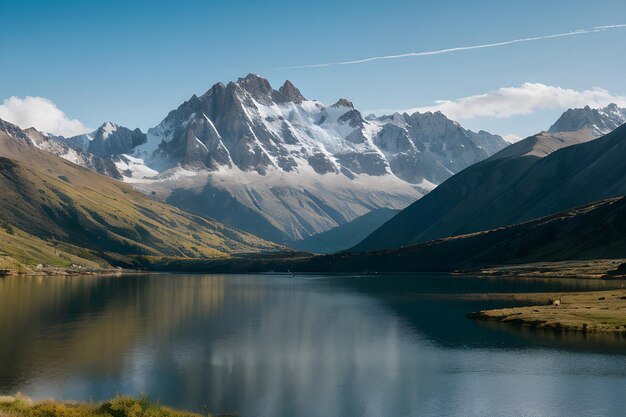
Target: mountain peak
[
  {"x": 600, "y": 121},
  {"x": 291, "y": 93},
  {"x": 342, "y": 102},
  {"x": 255, "y": 85},
  {"x": 107, "y": 129}
]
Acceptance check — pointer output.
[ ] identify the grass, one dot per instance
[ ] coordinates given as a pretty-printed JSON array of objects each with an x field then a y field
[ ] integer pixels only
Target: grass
[
  {"x": 20, "y": 252},
  {"x": 121, "y": 406},
  {"x": 53, "y": 212},
  {"x": 586, "y": 312}
]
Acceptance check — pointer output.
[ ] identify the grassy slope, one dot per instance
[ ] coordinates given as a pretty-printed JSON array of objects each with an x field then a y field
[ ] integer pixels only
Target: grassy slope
[
  {"x": 19, "y": 249},
  {"x": 54, "y": 201}
]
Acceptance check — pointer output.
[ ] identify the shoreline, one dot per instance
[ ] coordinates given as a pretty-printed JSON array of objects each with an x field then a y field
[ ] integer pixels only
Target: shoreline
[
  {"x": 587, "y": 269},
  {"x": 584, "y": 312},
  {"x": 65, "y": 272}
]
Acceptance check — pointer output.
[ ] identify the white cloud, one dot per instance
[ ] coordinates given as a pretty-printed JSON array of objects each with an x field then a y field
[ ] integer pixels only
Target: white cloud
[
  {"x": 511, "y": 138},
  {"x": 40, "y": 113},
  {"x": 523, "y": 100}
]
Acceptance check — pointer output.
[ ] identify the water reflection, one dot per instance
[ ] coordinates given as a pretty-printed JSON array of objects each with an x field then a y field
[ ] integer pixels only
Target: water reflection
[{"x": 274, "y": 346}]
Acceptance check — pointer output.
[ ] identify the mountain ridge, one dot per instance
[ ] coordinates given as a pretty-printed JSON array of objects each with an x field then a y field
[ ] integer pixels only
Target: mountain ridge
[
  {"x": 601, "y": 121},
  {"x": 543, "y": 174}
]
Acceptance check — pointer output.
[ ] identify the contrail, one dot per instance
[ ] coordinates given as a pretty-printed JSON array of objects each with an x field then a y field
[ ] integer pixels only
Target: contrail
[{"x": 461, "y": 48}]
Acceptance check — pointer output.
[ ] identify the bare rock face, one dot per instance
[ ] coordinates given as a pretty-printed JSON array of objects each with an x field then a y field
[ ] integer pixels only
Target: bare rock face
[
  {"x": 342, "y": 102},
  {"x": 289, "y": 92}
]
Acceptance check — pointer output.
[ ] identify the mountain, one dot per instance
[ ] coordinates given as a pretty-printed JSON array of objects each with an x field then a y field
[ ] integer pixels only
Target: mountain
[
  {"x": 347, "y": 235},
  {"x": 591, "y": 232},
  {"x": 59, "y": 146},
  {"x": 283, "y": 167},
  {"x": 249, "y": 126},
  {"x": 48, "y": 202},
  {"x": 600, "y": 121},
  {"x": 538, "y": 176},
  {"x": 273, "y": 163},
  {"x": 108, "y": 140},
  {"x": 104, "y": 150}
]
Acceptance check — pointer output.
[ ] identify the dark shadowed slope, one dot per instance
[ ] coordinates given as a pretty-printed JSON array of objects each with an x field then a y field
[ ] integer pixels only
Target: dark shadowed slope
[
  {"x": 538, "y": 176},
  {"x": 347, "y": 235},
  {"x": 594, "y": 231}
]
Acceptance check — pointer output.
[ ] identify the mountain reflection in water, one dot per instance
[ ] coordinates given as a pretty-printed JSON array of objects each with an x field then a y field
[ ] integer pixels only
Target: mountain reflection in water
[{"x": 310, "y": 346}]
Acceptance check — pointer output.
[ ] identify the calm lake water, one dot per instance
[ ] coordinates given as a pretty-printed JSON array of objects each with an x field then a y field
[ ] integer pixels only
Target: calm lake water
[{"x": 262, "y": 345}]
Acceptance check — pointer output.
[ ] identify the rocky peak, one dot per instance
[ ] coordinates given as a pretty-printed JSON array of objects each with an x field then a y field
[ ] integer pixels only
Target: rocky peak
[
  {"x": 106, "y": 130},
  {"x": 256, "y": 85},
  {"x": 353, "y": 118},
  {"x": 289, "y": 92},
  {"x": 342, "y": 102},
  {"x": 109, "y": 139}
]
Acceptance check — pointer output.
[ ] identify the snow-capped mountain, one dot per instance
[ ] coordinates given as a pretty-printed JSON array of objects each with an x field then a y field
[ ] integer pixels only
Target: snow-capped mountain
[
  {"x": 600, "y": 121},
  {"x": 59, "y": 146},
  {"x": 284, "y": 167},
  {"x": 103, "y": 150},
  {"x": 108, "y": 140},
  {"x": 276, "y": 164},
  {"x": 252, "y": 127}
]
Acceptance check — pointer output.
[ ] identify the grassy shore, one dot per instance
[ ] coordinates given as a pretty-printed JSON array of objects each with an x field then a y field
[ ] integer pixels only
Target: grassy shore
[
  {"x": 122, "y": 406},
  {"x": 585, "y": 312},
  {"x": 588, "y": 269}
]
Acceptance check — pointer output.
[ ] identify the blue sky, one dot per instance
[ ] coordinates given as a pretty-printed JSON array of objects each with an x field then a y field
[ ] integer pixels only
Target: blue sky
[{"x": 132, "y": 62}]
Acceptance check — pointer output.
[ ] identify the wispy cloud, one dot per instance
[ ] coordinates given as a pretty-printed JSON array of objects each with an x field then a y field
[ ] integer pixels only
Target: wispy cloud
[
  {"x": 523, "y": 100},
  {"x": 40, "y": 113},
  {"x": 461, "y": 48}
]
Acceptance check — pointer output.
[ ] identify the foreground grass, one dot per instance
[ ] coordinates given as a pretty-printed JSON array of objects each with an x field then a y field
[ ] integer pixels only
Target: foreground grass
[{"x": 122, "y": 406}]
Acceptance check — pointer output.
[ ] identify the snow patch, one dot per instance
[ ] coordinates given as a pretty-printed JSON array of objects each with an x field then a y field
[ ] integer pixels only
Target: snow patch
[
  {"x": 107, "y": 129},
  {"x": 134, "y": 169}
]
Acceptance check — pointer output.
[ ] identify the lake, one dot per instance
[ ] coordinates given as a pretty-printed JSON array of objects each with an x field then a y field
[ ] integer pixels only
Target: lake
[{"x": 318, "y": 346}]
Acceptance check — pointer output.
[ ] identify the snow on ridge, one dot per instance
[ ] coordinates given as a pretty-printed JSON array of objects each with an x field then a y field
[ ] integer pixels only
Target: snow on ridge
[
  {"x": 212, "y": 126},
  {"x": 107, "y": 129}
]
